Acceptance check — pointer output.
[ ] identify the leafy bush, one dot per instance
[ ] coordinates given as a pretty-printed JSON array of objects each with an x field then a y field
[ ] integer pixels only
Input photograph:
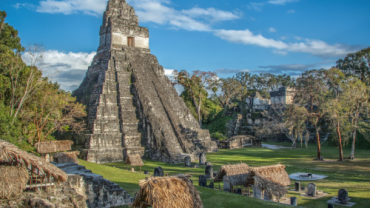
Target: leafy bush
[
  {"x": 218, "y": 124},
  {"x": 218, "y": 136}
]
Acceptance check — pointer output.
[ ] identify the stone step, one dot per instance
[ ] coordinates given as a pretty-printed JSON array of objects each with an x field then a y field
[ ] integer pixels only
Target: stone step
[{"x": 131, "y": 127}]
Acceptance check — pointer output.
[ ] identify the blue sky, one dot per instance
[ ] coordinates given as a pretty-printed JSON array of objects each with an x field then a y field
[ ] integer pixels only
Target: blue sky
[{"x": 225, "y": 36}]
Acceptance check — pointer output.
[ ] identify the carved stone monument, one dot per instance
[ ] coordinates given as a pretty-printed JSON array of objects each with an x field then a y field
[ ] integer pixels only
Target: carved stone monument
[
  {"x": 187, "y": 161},
  {"x": 203, "y": 180},
  {"x": 293, "y": 201},
  {"x": 209, "y": 171},
  {"x": 202, "y": 158},
  {"x": 343, "y": 196},
  {"x": 158, "y": 172},
  {"x": 311, "y": 189},
  {"x": 297, "y": 186},
  {"x": 132, "y": 106}
]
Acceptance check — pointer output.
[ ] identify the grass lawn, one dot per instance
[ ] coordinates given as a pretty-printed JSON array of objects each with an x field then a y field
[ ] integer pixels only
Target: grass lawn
[{"x": 351, "y": 175}]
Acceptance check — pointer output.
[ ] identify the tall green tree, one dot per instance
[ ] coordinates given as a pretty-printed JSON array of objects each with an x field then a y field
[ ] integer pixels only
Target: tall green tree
[
  {"x": 357, "y": 64},
  {"x": 311, "y": 92},
  {"x": 31, "y": 106},
  {"x": 196, "y": 84}
]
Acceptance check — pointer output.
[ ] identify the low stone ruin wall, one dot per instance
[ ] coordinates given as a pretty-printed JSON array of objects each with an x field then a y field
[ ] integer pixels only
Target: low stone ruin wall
[
  {"x": 100, "y": 192},
  {"x": 68, "y": 194}
]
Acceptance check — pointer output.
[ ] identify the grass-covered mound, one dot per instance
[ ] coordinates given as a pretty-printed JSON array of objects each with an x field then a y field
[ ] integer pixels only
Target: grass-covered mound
[{"x": 351, "y": 175}]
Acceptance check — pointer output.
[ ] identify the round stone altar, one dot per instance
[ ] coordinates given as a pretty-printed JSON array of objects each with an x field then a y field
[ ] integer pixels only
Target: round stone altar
[{"x": 306, "y": 176}]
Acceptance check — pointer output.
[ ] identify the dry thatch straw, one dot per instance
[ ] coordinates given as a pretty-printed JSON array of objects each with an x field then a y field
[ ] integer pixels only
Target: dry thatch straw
[
  {"x": 236, "y": 173},
  {"x": 11, "y": 155},
  {"x": 53, "y": 146},
  {"x": 275, "y": 173},
  {"x": 134, "y": 160},
  {"x": 167, "y": 192},
  {"x": 273, "y": 179},
  {"x": 66, "y": 157},
  {"x": 13, "y": 179},
  {"x": 271, "y": 187}
]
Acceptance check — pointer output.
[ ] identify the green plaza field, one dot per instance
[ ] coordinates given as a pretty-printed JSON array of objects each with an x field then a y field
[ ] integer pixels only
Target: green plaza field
[{"x": 351, "y": 175}]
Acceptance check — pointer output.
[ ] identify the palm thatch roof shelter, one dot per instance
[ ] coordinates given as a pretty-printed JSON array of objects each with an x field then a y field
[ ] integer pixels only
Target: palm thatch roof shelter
[
  {"x": 167, "y": 192},
  {"x": 134, "y": 160},
  {"x": 272, "y": 179},
  {"x": 236, "y": 173},
  {"x": 53, "y": 146},
  {"x": 12, "y": 156},
  {"x": 13, "y": 180}
]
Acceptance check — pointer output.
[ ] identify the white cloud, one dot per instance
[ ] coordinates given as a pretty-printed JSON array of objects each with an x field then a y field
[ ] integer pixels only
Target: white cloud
[
  {"x": 283, "y": 53},
  {"x": 281, "y": 2},
  {"x": 68, "y": 69},
  {"x": 19, "y": 5},
  {"x": 272, "y": 29},
  {"x": 195, "y": 19},
  {"x": 90, "y": 7},
  {"x": 255, "y": 6},
  {"x": 292, "y": 11},
  {"x": 156, "y": 11},
  {"x": 314, "y": 47}
]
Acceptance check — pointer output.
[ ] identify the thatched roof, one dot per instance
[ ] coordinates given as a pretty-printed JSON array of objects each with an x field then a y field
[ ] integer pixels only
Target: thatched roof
[
  {"x": 167, "y": 192},
  {"x": 13, "y": 179},
  {"x": 134, "y": 160},
  {"x": 271, "y": 187},
  {"x": 53, "y": 146},
  {"x": 10, "y": 154},
  {"x": 236, "y": 173},
  {"x": 275, "y": 173}
]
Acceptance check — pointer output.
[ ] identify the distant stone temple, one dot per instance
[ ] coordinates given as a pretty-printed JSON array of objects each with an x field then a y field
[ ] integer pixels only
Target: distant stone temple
[
  {"x": 283, "y": 96},
  {"x": 256, "y": 101},
  {"x": 132, "y": 106}
]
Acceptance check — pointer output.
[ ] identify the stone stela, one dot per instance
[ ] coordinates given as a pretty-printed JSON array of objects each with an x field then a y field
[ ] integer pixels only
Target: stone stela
[{"x": 132, "y": 106}]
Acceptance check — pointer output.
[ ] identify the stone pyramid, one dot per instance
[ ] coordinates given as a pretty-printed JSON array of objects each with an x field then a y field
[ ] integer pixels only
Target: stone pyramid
[{"x": 132, "y": 106}]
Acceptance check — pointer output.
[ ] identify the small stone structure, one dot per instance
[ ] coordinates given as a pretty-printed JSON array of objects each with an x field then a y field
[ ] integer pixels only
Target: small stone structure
[
  {"x": 188, "y": 161},
  {"x": 311, "y": 189},
  {"x": 208, "y": 163},
  {"x": 66, "y": 157},
  {"x": 158, "y": 172},
  {"x": 209, "y": 171},
  {"x": 241, "y": 141},
  {"x": 203, "y": 180},
  {"x": 202, "y": 158},
  {"x": 131, "y": 104}
]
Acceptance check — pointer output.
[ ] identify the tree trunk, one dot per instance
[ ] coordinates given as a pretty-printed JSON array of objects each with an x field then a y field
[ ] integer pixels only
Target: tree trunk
[
  {"x": 318, "y": 142},
  {"x": 199, "y": 115},
  {"x": 353, "y": 145},
  {"x": 340, "y": 142}
]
